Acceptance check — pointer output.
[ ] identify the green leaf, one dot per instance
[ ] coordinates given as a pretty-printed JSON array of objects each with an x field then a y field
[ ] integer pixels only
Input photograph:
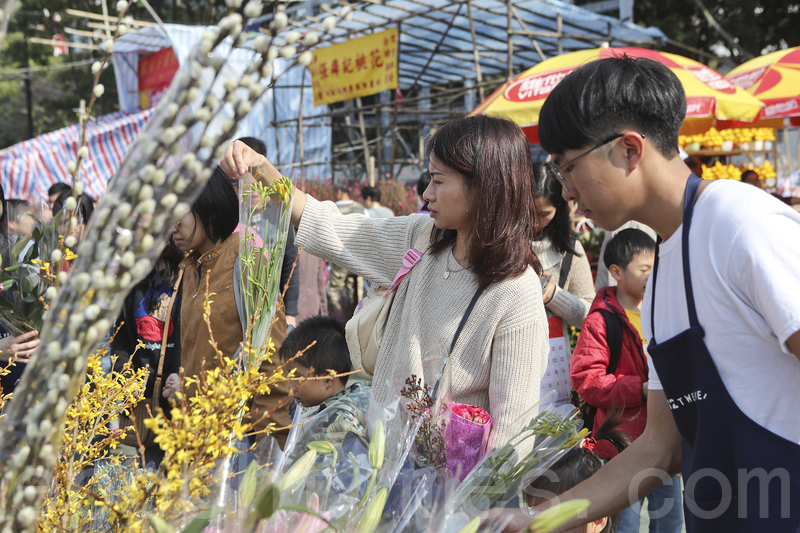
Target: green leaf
[
  {"x": 247, "y": 490},
  {"x": 159, "y": 524}
]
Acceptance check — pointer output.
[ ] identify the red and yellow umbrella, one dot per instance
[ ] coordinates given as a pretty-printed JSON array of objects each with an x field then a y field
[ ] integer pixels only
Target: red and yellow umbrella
[
  {"x": 709, "y": 96},
  {"x": 775, "y": 80}
]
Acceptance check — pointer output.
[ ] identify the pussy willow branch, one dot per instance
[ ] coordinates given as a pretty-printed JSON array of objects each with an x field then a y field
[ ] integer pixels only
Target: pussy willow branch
[{"x": 125, "y": 236}]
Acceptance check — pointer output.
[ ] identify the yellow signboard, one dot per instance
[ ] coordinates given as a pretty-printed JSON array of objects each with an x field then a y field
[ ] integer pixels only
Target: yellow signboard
[{"x": 359, "y": 67}]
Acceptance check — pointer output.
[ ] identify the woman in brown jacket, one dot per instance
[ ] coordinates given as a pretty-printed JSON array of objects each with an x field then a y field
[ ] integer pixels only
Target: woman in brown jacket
[{"x": 207, "y": 231}]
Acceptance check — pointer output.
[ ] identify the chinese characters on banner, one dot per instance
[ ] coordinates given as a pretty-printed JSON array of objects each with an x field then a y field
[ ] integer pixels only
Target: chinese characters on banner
[
  {"x": 556, "y": 377},
  {"x": 155, "y": 74},
  {"x": 359, "y": 67}
]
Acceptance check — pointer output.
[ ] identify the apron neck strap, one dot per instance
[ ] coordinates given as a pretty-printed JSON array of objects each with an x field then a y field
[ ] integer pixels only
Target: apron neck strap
[{"x": 688, "y": 209}]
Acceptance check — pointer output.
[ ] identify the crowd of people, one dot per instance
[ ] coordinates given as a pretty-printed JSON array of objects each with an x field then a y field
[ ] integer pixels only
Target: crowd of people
[{"x": 680, "y": 374}]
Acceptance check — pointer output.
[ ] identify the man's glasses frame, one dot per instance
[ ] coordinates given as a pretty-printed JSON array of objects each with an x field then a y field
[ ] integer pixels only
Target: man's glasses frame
[{"x": 557, "y": 168}]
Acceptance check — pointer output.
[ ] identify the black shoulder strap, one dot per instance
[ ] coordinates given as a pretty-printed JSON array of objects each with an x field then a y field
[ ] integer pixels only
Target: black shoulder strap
[
  {"x": 613, "y": 337},
  {"x": 566, "y": 264},
  {"x": 465, "y": 317}
]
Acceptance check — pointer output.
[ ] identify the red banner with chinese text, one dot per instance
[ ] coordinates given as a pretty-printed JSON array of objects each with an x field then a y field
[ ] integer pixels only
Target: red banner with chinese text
[
  {"x": 155, "y": 74},
  {"x": 360, "y": 67}
]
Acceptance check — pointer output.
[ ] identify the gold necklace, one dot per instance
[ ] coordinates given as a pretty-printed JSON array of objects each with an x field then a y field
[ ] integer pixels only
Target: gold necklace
[{"x": 448, "y": 270}]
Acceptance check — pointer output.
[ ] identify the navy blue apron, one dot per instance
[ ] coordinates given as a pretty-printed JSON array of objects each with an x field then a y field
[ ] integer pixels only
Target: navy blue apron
[{"x": 728, "y": 459}]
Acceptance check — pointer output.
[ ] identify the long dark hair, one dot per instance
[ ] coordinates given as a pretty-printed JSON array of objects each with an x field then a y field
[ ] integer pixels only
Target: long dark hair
[
  {"x": 559, "y": 230},
  {"x": 494, "y": 157},
  {"x": 217, "y": 207},
  {"x": 165, "y": 272}
]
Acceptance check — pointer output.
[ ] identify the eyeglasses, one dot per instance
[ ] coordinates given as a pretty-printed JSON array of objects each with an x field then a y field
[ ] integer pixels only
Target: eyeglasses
[{"x": 557, "y": 169}]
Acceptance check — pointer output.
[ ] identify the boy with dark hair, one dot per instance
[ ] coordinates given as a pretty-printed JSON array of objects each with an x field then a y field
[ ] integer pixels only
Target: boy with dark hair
[
  {"x": 609, "y": 369},
  {"x": 372, "y": 201},
  {"x": 721, "y": 307},
  {"x": 321, "y": 339}
]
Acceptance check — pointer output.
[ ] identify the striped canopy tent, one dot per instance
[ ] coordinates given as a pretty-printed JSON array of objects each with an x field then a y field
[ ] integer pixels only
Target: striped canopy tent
[
  {"x": 281, "y": 104},
  {"x": 29, "y": 168}
]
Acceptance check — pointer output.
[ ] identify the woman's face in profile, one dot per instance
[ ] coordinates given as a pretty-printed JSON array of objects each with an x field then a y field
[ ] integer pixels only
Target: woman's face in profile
[
  {"x": 546, "y": 211},
  {"x": 447, "y": 198}
]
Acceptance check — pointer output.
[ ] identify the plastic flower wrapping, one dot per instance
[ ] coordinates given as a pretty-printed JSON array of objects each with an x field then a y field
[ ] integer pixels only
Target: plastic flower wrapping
[{"x": 264, "y": 219}]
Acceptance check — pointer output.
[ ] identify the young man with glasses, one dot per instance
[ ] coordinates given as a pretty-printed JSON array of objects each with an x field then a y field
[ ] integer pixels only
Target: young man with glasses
[{"x": 721, "y": 309}]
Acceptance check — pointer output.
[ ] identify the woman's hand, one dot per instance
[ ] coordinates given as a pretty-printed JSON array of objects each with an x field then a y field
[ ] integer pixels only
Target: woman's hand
[
  {"x": 171, "y": 386},
  {"x": 549, "y": 289},
  {"x": 21, "y": 346},
  {"x": 240, "y": 158}
]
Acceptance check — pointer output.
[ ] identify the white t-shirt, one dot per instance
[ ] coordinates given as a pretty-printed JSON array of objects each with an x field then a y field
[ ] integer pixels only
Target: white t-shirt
[{"x": 745, "y": 263}]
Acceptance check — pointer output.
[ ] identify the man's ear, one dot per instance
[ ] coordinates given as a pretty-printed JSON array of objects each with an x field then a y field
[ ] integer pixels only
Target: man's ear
[
  {"x": 633, "y": 143},
  {"x": 616, "y": 272}
]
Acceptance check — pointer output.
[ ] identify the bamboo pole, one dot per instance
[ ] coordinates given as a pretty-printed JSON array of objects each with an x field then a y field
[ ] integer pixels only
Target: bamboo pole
[
  {"x": 364, "y": 144},
  {"x": 300, "y": 128},
  {"x": 69, "y": 44},
  {"x": 559, "y": 25},
  {"x": 89, "y": 15},
  {"x": 477, "y": 57},
  {"x": 510, "y": 41}
]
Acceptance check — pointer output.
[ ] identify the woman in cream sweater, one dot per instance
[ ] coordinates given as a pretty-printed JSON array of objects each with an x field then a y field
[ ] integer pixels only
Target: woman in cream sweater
[{"x": 482, "y": 201}]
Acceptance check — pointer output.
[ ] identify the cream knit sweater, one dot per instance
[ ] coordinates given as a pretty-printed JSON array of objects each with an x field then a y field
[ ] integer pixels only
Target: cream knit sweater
[{"x": 501, "y": 354}]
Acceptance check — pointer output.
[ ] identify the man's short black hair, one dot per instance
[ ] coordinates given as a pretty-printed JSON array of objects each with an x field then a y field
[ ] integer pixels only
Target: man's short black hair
[
  {"x": 258, "y": 146},
  {"x": 625, "y": 245},
  {"x": 747, "y": 173},
  {"x": 372, "y": 193},
  {"x": 329, "y": 353},
  {"x": 605, "y": 96},
  {"x": 58, "y": 188},
  {"x": 342, "y": 187}
]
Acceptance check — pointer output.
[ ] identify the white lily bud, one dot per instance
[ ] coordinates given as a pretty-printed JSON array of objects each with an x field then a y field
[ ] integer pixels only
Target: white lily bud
[
  {"x": 288, "y": 52},
  {"x": 122, "y": 5},
  {"x": 292, "y": 37},
  {"x": 83, "y": 152},
  {"x": 311, "y": 38},
  {"x": 253, "y": 9},
  {"x": 305, "y": 58},
  {"x": 329, "y": 23},
  {"x": 98, "y": 90},
  {"x": 281, "y": 21},
  {"x": 96, "y": 67}
]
